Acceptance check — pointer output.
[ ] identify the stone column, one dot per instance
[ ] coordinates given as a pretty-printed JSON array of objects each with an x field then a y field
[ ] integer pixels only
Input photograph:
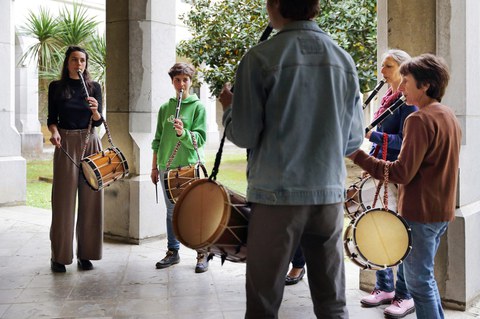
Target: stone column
[
  {"x": 140, "y": 51},
  {"x": 458, "y": 260},
  {"x": 448, "y": 28},
  {"x": 13, "y": 188},
  {"x": 26, "y": 106}
]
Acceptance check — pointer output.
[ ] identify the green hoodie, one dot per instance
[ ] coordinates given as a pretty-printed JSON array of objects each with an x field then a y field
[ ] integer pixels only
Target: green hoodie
[{"x": 192, "y": 113}]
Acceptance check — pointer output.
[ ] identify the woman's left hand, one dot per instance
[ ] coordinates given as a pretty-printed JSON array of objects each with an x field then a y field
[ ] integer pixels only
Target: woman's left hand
[{"x": 93, "y": 104}]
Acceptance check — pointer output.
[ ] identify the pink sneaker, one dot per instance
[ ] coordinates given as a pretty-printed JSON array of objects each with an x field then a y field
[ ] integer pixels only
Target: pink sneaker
[
  {"x": 399, "y": 308},
  {"x": 377, "y": 297}
]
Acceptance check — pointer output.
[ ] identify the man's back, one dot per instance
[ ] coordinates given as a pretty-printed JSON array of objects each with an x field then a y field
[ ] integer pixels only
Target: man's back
[{"x": 297, "y": 108}]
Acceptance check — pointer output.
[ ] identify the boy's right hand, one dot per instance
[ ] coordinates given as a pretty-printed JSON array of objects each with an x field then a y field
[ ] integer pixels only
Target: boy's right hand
[{"x": 154, "y": 175}]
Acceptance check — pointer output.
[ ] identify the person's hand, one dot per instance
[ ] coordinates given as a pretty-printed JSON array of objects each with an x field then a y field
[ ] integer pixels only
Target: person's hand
[
  {"x": 93, "y": 104},
  {"x": 154, "y": 175},
  {"x": 226, "y": 96},
  {"x": 368, "y": 134},
  {"x": 56, "y": 139},
  {"x": 352, "y": 156},
  {"x": 365, "y": 174},
  {"x": 178, "y": 126}
]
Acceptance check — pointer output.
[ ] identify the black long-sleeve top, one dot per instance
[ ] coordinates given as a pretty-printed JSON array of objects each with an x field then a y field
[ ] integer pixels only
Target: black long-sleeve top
[{"x": 72, "y": 113}]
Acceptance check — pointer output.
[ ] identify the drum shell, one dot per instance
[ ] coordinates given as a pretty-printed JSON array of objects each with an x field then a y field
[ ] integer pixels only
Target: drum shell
[
  {"x": 212, "y": 217},
  {"x": 103, "y": 168},
  {"x": 360, "y": 197},
  {"x": 176, "y": 180}
]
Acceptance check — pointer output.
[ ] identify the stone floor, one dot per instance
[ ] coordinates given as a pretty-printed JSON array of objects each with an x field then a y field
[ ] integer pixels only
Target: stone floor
[{"x": 125, "y": 283}]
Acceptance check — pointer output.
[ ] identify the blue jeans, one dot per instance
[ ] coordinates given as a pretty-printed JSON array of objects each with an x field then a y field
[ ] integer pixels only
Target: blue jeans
[
  {"x": 172, "y": 242},
  {"x": 385, "y": 282},
  {"x": 418, "y": 269}
]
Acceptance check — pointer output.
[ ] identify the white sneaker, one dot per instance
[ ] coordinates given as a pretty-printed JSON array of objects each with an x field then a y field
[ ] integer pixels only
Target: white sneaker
[
  {"x": 399, "y": 308},
  {"x": 377, "y": 297}
]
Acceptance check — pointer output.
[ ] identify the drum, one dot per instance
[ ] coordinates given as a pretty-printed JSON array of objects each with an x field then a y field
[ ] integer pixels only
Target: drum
[
  {"x": 103, "y": 168},
  {"x": 209, "y": 216},
  {"x": 176, "y": 180},
  {"x": 360, "y": 196},
  {"x": 377, "y": 239}
]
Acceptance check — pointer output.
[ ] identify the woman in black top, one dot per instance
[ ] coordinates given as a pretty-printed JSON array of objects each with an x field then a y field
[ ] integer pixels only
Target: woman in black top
[{"x": 69, "y": 111}]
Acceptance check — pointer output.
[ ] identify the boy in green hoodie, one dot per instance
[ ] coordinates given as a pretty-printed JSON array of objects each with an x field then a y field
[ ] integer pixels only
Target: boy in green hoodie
[{"x": 170, "y": 130}]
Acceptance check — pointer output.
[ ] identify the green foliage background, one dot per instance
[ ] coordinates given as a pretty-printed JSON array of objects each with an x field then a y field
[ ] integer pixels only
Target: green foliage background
[{"x": 223, "y": 30}]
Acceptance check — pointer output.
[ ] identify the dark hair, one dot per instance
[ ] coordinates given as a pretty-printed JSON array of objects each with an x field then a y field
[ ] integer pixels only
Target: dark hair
[
  {"x": 181, "y": 68},
  {"x": 299, "y": 10},
  {"x": 428, "y": 69},
  {"x": 65, "y": 73}
]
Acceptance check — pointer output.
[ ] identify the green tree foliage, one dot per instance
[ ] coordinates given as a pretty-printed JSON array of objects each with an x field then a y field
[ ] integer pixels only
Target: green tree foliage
[{"x": 223, "y": 30}]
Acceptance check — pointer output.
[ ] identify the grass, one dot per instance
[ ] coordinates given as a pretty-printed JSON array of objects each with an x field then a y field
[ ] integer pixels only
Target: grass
[
  {"x": 40, "y": 172},
  {"x": 232, "y": 174},
  {"x": 39, "y": 190}
]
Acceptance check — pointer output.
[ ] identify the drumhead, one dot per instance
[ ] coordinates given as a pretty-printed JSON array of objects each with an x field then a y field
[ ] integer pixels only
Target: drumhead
[
  {"x": 201, "y": 214},
  {"x": 382, "y": 237},
  {"x": 89, "y": 173}
]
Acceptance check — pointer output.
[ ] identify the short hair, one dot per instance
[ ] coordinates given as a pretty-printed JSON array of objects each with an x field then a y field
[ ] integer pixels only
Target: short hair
[
  {"x": 181, "y": 68},
  {"x": 428, "y": 69},
  {"x": 398, "y": 56},
  {"x": 299, "y": 10}
]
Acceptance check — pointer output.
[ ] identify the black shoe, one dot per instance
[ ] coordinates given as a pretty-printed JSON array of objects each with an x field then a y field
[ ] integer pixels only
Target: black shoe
[
  {"x": 202, "y": 263},
  {"x": 84, "y": 264},
  {"x": 56, "y": 267},
  {"x": 294, "y": 280},
  {"x": 171, "y": 258}
]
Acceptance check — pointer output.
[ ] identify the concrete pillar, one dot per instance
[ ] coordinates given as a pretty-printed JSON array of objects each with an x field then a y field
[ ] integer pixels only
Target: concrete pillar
[
  {"x": 448, "y": 28},
  {"x": 458, "y": 41},
  {"x": 140, "y": 51},
  {"x": 26, "y": 105},
  {"x": 13, "y": 188}
]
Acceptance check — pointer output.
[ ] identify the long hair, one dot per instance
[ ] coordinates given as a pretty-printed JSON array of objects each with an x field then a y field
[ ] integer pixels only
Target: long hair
[{"x": 65, "y": 92}]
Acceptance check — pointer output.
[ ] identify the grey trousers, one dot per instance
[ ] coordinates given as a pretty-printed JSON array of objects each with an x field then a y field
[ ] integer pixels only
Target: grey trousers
[
  {"x": 68, "y": 185},
  {"x": 273, "y": 235}
]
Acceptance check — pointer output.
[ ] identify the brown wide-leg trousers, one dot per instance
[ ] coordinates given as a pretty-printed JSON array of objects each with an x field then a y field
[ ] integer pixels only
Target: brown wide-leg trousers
[{"x": 68, "y": 184}]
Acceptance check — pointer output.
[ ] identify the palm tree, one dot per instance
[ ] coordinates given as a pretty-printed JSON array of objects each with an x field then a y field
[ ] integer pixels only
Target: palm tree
[
  {"x": 44, "y": 28},
  {"x": 53, "y": 36},
  {"x": 75, "y": 28}
]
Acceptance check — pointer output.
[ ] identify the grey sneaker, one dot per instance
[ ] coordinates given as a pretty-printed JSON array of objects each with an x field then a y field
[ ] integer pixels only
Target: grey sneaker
[
  {"x": 171, "y": 258},
  {"x": 202, "y": 263}
]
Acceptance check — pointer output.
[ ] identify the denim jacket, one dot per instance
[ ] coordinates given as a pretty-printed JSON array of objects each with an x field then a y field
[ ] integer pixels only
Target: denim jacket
[{"x": 297, "y": 108}]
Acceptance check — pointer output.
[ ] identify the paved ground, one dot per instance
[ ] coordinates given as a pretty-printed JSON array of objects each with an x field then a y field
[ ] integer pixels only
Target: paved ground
[{"x": 125, "y": 283}]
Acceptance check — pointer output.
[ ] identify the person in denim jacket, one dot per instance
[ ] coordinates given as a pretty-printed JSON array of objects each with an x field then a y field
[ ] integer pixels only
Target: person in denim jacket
[{"x": 297, "y": 109}]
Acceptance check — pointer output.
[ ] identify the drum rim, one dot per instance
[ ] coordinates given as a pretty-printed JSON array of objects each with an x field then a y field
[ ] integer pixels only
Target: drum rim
[
  {"x": 88, "y": 163},
  {"x": 218, "y": 232},
  {"x": 407, "y": 227}
]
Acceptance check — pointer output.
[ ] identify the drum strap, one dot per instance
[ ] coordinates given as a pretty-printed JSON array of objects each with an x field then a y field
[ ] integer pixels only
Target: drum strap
[
  {"x": 87, "y": 138},
  {"x": 385, "y": 174},
  {"x": 175, "y": 150}
]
